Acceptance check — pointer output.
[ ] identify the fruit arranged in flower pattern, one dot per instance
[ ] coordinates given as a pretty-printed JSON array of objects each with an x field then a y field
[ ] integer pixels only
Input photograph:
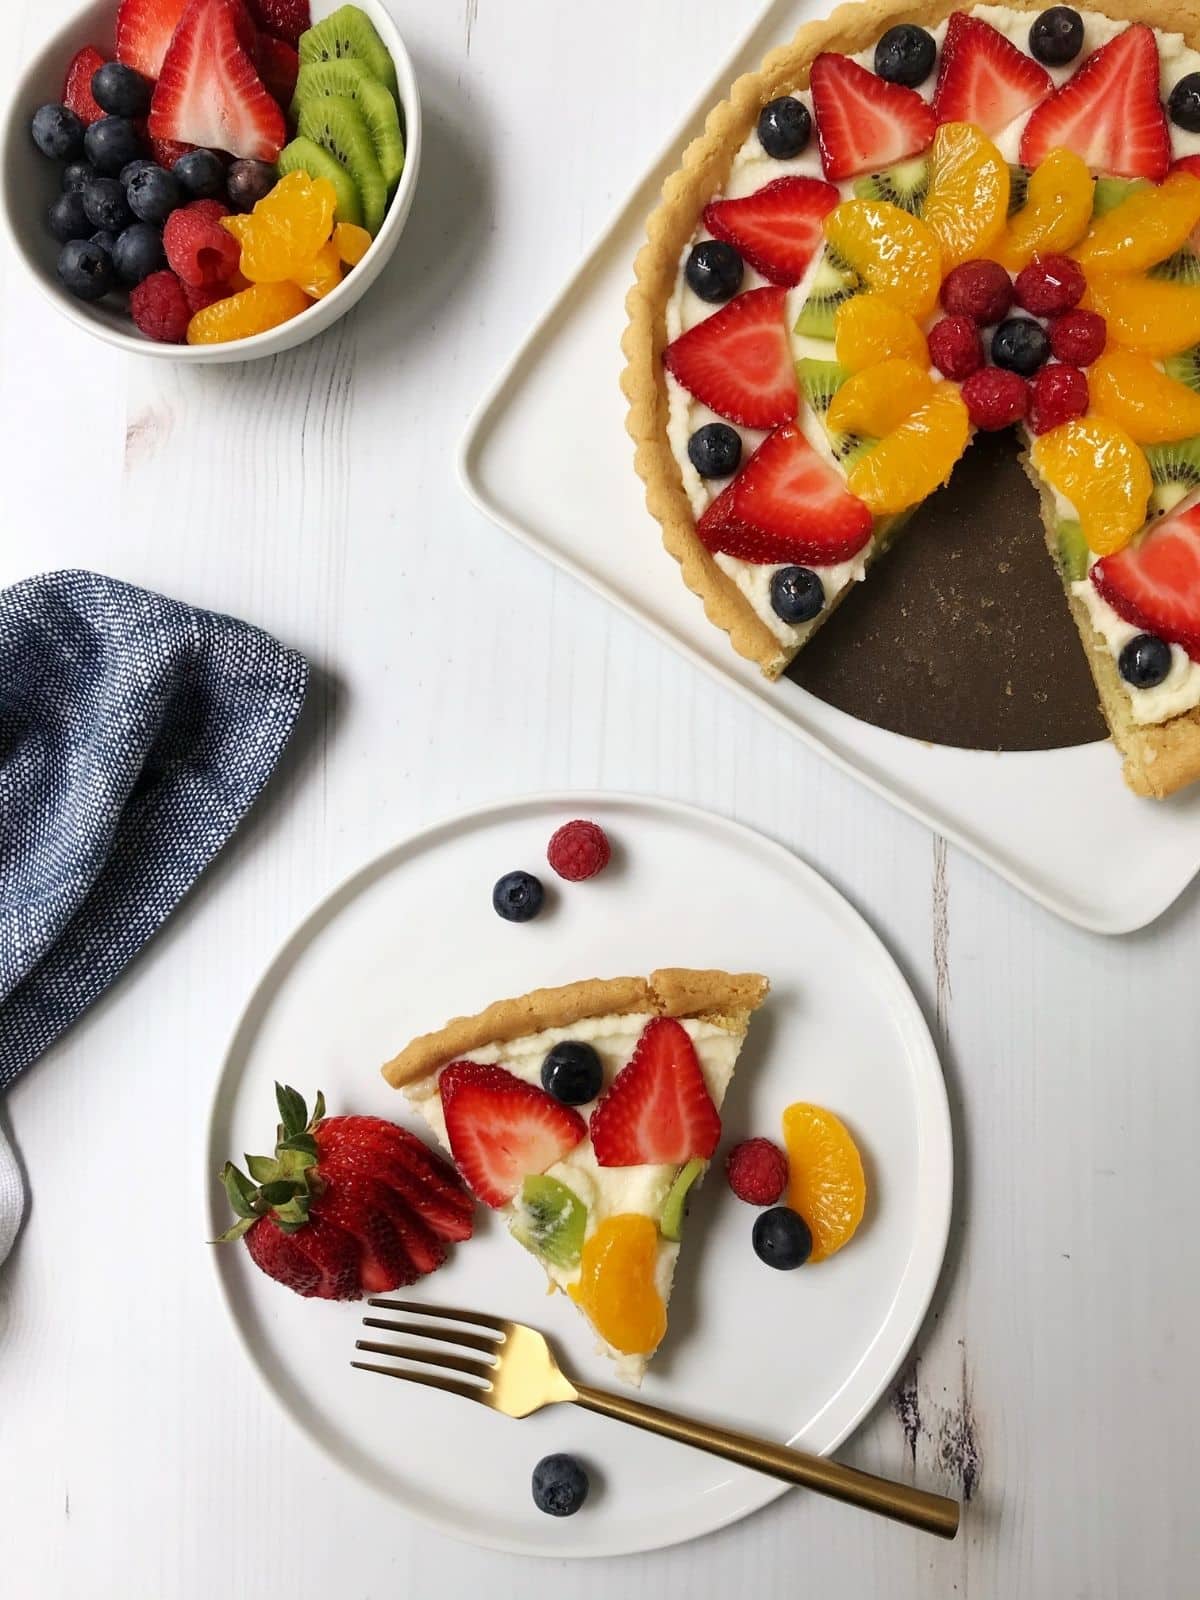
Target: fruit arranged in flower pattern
[
  {"x": 915, "y": 458},
  {"x": 738, "y": 361},
  {"x": 869, "y": 328},
  {"x": 778, "y": 228},
  {"x": 1137, "y": 394},
  {"x": 1152, "y": 315},
  {"x": 967, "y": 203},
  {"x": 983, "y": 78},
  {"x": 1149, "y": 225},
  {"x": 827, "y": 1185},
  {"x": 618, "y": 1285},
  {"x": 1154, "y": 584},
  {"x": 1096, "y": 465},
  {"x": 1056, "y": 213},
  {"x": 894, "y": 252},
  {"x": 863, "y": 122},
  {"x": 880, "y": 398},
  {"x": 254, "y": 310}
]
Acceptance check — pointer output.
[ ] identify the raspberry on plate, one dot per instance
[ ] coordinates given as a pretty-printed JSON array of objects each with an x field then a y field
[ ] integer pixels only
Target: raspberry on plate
[
  {"x": 757, "y": 1171},
  {"x": 1078, "y": 337},
  {"x": 955, "y": 347},
  {"x": 994, "y": 398},
  {"x": 198, "y": 247},
  {"x": 579, "y": 850},
  {"x": 978, "y": 289},
  {"x": 1057, "y": 393},
  {"x": 1050, "y": 285},
  {"x": 159, "y": 307}
]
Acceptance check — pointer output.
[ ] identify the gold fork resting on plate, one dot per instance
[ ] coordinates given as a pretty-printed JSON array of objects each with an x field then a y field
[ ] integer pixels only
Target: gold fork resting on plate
[{"x": 514, "y": 1371}]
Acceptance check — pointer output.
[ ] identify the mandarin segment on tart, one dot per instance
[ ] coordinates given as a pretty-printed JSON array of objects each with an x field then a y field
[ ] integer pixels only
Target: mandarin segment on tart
[{"x": 1008, "y": 203}]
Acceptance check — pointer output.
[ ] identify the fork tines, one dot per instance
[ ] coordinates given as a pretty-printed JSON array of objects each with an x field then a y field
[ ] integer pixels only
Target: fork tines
[{"x": 486, "y": 1344}]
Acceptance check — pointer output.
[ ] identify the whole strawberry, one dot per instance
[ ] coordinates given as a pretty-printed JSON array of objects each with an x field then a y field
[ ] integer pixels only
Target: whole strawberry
[{"x": 346, "y": 1206}]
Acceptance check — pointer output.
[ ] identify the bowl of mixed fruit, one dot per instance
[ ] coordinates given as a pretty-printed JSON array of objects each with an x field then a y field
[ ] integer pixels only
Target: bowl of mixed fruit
[{"x": 212, "y": 180}]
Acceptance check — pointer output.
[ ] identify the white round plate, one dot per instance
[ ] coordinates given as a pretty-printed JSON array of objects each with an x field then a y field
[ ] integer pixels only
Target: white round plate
[{"x": 411, "y": 941}]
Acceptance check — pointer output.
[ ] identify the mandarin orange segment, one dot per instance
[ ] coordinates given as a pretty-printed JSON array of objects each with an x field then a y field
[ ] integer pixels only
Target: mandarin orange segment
[
  {"x": 967, "y": 201},
  {"x": 352, "y": 242},
  {"x": 879, "y": 398},
  {"x": 617, "y": 1284},
  {"x": 1094, "y": 463},
  {"x": 867, "y": 329},
  {"x": 1152, "y": 315},
  {"x": 913, "y": 459},
  {"x": 827, "y": 1185},
  {"x": 286, "y": 228},
  {"x": 254, "y": 310},
  {"x": 1056, "y": 213},
  {"x": 894, "y": 253},
  {"x": 1132, "y": 391},
  {"x": 1148, "y": 226},
  {"x": 323, "y": 272}
]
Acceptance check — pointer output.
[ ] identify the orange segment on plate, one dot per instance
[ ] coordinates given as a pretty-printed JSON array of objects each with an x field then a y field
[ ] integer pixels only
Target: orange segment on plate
[
  {"x": 254, "y": 310},
  {"x": 911, "y": 461},
  {"x": 879, "y": 398},
  {"x": 1056, "y": 213},
  {"x": 1152, "y": 315},
  {"x": 617, "y": 1285},
  {"x": 1138, "y": 395},
  {"x": 287, "y": 227},
  {"x": 1149, "y": 225},
  {"x": 827, "y": 1185},
  {"x": 867, "y": 329},
  {"x": 1101, "y": 471},
  {"x": 967, "y": 201},
  {"x": 894, "y": 253}
]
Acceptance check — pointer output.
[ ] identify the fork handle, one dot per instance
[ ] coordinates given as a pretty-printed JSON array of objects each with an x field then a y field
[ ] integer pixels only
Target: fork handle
[{"x": 932, "y": 1513}]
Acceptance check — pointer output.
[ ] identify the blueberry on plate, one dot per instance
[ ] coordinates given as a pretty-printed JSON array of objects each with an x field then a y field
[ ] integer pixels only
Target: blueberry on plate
[
  {"x": 905, "y": 54},
  {"x": 782, "y": 1238},
  {"x": 57, "y": 132},
  {"x": 560, "y": 1485},
  {"x": 247, "y": 182},
  {"x": 1184, "y": 103},
  {"x": 67, "y": 218},
  {"x": 153, "y": 193},
  {"x": 77, "y": 175},
  {"x": 797, "y": 594},
  {"x": 202, "y": 174},
  {"x": 120, "y": 90},
  {"x": 105, "y": 203},
  {"x": 85, "y": 269},
  {"x": 715, "y": 450},
  {"x": 784, "y": 127},
  {"x": 1145, "y": 661},
  {"x": 714, "y": 270},
  {"x": 138, "y": 252},
  {"x": 518, "y": 896},
  {"x": 110, "y": 144},
  {"x": 1056, "y": 36},
  {"x": 572, "y": 1072},
  {"x": 1020, "y": 345}
]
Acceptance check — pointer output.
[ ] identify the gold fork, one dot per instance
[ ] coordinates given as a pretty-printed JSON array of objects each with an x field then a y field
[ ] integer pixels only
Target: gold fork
[{"x": 514, "y": 1371}]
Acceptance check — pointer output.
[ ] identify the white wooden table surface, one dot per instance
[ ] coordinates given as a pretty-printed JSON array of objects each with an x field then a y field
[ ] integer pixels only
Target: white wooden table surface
[{"x": 315, "y": 494}]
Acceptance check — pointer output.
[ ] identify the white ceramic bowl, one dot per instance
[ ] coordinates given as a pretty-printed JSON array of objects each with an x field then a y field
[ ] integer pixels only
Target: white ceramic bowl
[{"x": 30, "y": 183}]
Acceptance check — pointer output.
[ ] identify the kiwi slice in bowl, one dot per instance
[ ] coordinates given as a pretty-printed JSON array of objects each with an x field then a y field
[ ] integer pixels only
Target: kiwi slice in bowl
[
  {"x": 349, "y": 33},
  {"x": 904, "y": 185},
  {"x": 1174, "y": 470},
  {"x": 833, "y": 283},
  {"x": 350, "y": 78},
  {"x": 302, "y": 155},
  {"x": 337, "y": 125}
]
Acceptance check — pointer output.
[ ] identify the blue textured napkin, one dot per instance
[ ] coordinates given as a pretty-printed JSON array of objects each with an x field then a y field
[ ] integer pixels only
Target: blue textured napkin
[{"x": 135, "y": 733}]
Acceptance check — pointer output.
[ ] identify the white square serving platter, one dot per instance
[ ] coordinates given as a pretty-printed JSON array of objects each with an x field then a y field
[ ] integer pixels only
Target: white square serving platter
[{"x": 1058, "y": 824}]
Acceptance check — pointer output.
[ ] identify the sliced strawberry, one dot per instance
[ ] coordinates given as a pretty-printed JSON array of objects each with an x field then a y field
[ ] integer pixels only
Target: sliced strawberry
[
  {"x": 778, "y": 229},
  {"x": 336, "y": 1255},
  {"x": 280, "y": 1257},
  {"x": 426, "y": 1183},
  {"x": 144, "y": 30},
  {"x": 278, "y": 66},
  {"x": 1187, "y": 164},
  {"x": 284, "y": 19},
  {"x": 863, "y": 122},
  {"x": 77, "y": 87},
  {"x": 363, "y": 1207},
  {"x": 786, "y": 504},
  {"x": 738, "y": 361},
  {"x": 658, "y": 1108},
  {"x": 209, "y": 93},
  {"x": 168, "y": 151},
  {"x": 422, "y": 1246},
  {"x": 1108, "y": 112},
  {"x": 983, "y": 78},
  {"x": 1155, "y": 584},
  {"x": 501, "y": 1130}
]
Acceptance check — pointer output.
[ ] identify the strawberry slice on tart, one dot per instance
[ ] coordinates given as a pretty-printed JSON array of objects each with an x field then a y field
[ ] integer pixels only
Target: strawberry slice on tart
[
  {"x": 501, "y": 1129},
  {"x": 738, "y": 361},
  {"x": 658, "y": 1108},
  {"x": 1154, "y": 583},
  {"x": 209, "y": 92},
  {"x": 983, "y": 78},
  {"x": 778, "y": 228},
  {"x": 865, "y": 123}
]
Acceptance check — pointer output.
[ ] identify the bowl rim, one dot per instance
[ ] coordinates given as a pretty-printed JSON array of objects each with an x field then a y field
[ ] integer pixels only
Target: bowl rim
[{"x": 320, "y": 315}]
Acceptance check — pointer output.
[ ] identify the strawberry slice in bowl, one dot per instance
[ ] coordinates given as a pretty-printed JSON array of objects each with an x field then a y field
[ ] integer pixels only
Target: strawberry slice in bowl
[{"x": 209, "y": 92}]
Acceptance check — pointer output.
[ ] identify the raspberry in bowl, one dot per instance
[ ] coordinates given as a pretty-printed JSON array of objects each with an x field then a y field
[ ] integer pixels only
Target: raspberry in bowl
[{"x": 322, "y": 110}]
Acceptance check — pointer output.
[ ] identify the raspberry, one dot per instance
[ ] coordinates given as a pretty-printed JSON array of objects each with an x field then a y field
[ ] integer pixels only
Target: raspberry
[
  {"x": 994, "y": 398},
  {"x": 578, "y": 850},
  {"x": 1058, "y": 393},
  {"x": 198, "y": 247},
  {"x": 202, "y": 295},
  {"x": 1078, "y": 337},
  {"x": 978, "y": 289},
  {"x": 955, "y": 347},
  {"x": 159, "y": 308},
  {"x": 757, "y": 1171},
  {"x": 1050, "y": 285}
]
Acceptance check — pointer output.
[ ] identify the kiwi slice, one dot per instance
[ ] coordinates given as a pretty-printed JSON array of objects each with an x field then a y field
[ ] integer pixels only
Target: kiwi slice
[
  {"x": 820, "y": 381},
  {"x": 1175, "y": 470},
  {"x": 1072, "y": 551},
  {"x": 302, "y": 155},
  {"x": 349, "y": 32},
  {"x": 1108, "y": 193},
  {"x": 337, "y": 125},
  {"x": 671, "y": 1226},
  {"x": 1185, "y": 367},
  {"x": 1182, "y": 267},
  {"x": 904, "y": 185},
  {"x": 832, "y": 284},
  {"x": 350, "y": 78},
  {"x": 551, "y": 1220},
  {"x": 1018, "y": 187}
]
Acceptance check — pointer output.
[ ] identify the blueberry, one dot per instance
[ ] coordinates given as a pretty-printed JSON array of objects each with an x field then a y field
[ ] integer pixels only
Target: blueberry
[
  {"x": 85, "y": 269},
  {"x": 153, "y": 194},
  {"x": 784, "y": 127},
  {"x": 1184, "y": 103},
  {"x": 782, "y": 1238},
  {"x": 138, "y": 252},
  {"x": 77, "y": 175},
  {"x": 247, "y": 182},
  {"x": 715, "y": 450},
  {"x": 105, "y": 203},
  {"x": 112, "y": 143},
  {"x": 105, "y": 238},
  {"x": 1145, "y": 661},
  {"x": 517, "y": 896},
  {"x": 120, "y": 90},
  {"x": 67, "y": 218},
  {"x": 714, "y": 270},
  {"x": 797, "y": 594},
  {"x": 560, "y": 1485},
  {"x": 572, "y": 1072},
  {"x": 1056, "y": 36},
  {"x": 1020, "y": 344},
  {"x": 131, "y": 169},
  {"x": 57, "y": 132},
  {"x": 202, "y": 174},
  {"x": 905, "y": 55}
]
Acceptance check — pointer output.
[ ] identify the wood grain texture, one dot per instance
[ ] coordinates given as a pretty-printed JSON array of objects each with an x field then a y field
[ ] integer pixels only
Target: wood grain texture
[{"x": 315, "y": 494}]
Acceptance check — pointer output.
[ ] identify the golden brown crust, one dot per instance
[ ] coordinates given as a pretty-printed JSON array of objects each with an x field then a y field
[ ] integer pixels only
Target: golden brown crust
[
  {"x": 669, "y": 992},
  {"x": 704, "y": 170}
]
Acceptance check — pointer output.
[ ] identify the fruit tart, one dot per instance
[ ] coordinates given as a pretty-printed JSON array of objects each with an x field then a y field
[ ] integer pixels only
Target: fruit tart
[
  {"x": 908, "y": 226},
  {"x": 585, "y": 1115}
]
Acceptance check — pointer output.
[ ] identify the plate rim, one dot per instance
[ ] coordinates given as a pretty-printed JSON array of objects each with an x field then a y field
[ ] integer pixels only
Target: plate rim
[{"x": 936, "y": 1120}]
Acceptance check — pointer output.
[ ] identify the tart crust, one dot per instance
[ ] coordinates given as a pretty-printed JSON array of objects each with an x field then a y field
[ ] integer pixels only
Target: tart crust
[
  {"x": 724, "y": 998},
  {"x": 1159, "y": 758}
]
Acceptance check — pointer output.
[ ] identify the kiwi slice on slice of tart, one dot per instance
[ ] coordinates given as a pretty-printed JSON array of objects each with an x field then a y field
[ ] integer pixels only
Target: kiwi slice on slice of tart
[
  {"x": 1174, "y": 470},
  {"x": 550, "y": 1220},
  {"x": 833, "y": 283},
  {"x": 347, "y": 76},
  {"x": 338, "y": 126},
  {"x": 1070, "y": 550},
  {"x": 302, "y": 155},
  {"x": 904, "y": 185}
]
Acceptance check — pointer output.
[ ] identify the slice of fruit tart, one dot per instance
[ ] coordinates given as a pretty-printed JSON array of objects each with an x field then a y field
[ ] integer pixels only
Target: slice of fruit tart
[
  {"x": 586, "y": 1114},
  {"x": 911, "y": 224}
]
